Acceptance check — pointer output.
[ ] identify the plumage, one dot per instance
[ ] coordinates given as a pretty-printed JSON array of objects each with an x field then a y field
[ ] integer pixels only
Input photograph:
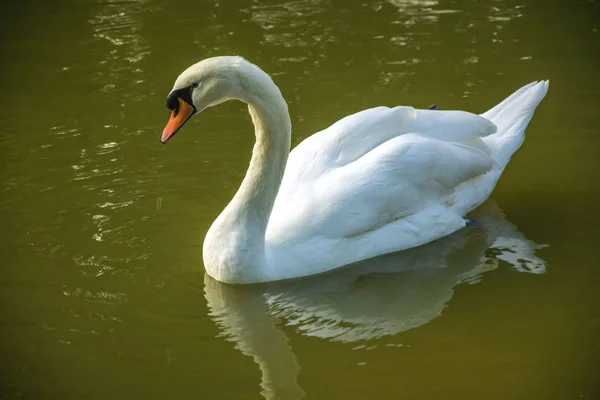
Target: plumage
[{"x": 377, "y": 181}]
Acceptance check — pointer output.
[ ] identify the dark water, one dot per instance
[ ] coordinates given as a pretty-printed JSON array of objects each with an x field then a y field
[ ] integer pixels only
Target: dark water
[{"x": 102, "y": 283}]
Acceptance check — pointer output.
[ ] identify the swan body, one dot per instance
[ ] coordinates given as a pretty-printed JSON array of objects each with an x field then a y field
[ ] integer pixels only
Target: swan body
[{"x": 375, "y": 182}]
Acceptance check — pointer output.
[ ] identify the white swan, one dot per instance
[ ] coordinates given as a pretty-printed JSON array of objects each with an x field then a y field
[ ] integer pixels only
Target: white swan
[{"x": 375, "y": 182}]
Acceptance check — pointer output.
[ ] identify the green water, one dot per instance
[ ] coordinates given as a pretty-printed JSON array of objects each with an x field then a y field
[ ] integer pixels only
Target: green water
[{"x": 103, "y": 292}]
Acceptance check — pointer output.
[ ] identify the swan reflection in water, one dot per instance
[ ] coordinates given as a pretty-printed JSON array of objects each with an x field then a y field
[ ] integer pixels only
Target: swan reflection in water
[{"x": 367, "y": 300}]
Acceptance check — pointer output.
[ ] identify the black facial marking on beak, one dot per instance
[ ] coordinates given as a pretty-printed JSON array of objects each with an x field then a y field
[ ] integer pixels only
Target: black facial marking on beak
[
  {"x": 182, "y": 109},
  {"x": 184, "y": 94}
]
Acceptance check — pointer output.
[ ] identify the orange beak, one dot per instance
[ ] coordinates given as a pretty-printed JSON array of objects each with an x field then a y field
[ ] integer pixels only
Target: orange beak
[{"x": 179, "y": 116}]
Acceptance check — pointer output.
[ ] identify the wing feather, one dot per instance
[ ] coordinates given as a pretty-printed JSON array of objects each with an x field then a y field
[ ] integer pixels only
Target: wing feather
[{"x": 376, "y": 166}]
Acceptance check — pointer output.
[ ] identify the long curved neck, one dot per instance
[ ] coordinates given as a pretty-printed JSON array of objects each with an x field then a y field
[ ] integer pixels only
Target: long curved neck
[
  {"x": 252, "y": 204},
  {"x": 234, "y": 248}
]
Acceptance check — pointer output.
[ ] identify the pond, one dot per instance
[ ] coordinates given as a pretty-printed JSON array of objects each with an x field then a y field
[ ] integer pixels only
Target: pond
[{"x": 103, "y": 287}]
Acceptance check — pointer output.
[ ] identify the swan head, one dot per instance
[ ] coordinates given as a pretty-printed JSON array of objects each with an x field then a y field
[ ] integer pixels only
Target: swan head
[{"x": 206, "y": 84}]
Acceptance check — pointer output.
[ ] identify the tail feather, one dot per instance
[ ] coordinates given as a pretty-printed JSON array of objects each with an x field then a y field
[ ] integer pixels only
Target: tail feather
[{"x": 511, "y": 117}]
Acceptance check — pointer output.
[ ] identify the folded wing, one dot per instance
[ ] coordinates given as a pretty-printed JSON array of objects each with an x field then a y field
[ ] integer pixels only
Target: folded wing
[{"x": 376, "y": 166}]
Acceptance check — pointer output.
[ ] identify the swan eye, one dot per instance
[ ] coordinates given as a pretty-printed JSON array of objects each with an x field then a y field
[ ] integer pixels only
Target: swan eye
[{"x": 195, "y": 85}]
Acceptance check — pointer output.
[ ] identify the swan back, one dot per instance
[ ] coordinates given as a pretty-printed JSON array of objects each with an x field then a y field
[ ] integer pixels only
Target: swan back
[{"x": 354, "y": 136}]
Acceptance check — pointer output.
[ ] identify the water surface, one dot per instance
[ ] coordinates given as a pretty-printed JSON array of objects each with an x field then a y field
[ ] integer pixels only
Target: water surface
[{"x": 102, "y": 283}]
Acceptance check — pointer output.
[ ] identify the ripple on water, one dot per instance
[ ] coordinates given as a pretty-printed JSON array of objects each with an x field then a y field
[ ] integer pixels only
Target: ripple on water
[
  {"x": 120, "y": 24},
  {"x": 104, "y": 297}
]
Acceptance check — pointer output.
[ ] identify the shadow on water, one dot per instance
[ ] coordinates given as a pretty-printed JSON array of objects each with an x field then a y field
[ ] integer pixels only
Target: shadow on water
[{"x": 371, "y": 299}]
